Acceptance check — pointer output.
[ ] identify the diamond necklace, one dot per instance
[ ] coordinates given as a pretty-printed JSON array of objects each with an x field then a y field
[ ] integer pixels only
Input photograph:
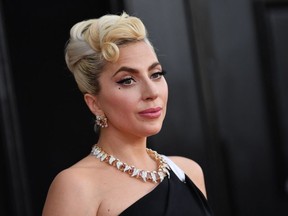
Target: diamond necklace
[{"x": 146, "y": 176}]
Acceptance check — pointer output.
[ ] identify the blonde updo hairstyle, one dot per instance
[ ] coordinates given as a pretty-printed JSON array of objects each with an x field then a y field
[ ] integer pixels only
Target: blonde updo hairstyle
[{"x": 95, "y": 42}]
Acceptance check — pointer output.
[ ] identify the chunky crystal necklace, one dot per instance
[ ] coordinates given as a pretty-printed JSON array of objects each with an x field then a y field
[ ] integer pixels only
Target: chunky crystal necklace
[{"x": 146, "y": 176}]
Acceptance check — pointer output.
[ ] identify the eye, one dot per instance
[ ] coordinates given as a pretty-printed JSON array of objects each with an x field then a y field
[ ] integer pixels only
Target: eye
[
  {"x": 126, "y": 81},
  {"x": 158, "y": 75}
]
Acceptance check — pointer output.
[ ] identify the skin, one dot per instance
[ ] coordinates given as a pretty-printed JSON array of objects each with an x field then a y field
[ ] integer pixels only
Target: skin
[{"x": 91, "y": 187}]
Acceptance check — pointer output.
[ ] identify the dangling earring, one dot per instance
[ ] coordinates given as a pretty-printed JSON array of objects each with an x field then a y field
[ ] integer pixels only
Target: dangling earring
[{"x": 101, "y": 121}]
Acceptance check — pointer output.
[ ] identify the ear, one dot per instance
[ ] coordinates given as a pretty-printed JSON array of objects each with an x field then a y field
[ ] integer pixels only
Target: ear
[{"x": 93, "y": 104}]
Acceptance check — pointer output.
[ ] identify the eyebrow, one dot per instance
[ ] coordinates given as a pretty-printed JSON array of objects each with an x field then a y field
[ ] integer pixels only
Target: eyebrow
[{"x": 133, "y": 70}]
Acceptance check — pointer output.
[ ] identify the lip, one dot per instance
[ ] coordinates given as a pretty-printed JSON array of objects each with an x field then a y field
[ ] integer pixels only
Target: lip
[{"x": 151, "y": 112}]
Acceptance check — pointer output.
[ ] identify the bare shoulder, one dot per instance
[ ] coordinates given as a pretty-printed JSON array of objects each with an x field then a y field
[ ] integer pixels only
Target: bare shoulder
[
  {"x": 70, "y": 186},
  {"x": 193, "y": 170}
]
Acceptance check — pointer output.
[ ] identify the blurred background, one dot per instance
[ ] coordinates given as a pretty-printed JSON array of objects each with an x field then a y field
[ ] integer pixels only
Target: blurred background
[{"x": 227, "y": 64}]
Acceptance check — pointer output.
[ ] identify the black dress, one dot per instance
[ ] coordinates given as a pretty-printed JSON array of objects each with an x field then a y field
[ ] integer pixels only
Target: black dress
[{"x": 172, "y": 197}]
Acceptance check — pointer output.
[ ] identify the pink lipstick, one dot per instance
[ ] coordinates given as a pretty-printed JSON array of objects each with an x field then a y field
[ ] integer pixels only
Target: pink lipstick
[{"x": 151, "y": 112}]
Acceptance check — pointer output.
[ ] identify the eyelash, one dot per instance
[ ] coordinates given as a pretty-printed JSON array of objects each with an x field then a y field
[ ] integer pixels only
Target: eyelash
[{"x": 160, "y": 74}]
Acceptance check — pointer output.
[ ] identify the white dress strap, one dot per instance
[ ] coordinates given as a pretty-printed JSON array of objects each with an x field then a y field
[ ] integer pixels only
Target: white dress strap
[{"x": 176, "y": 169}]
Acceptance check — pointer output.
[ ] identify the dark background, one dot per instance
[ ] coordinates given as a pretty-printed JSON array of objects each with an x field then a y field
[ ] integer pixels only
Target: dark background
[{"x": 228, "y": 97}]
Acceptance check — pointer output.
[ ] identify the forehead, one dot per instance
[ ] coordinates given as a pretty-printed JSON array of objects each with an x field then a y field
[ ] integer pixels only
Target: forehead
[
  {"x": 136, "y": 49},
  {"x": 138, "y": 55}
]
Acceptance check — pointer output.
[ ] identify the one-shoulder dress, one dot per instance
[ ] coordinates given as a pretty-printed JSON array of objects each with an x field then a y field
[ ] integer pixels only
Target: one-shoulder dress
[{"x": 174, "y": 196}]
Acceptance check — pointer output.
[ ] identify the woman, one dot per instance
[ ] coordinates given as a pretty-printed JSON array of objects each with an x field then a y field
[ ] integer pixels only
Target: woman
[{"x": 123, "y": 84}]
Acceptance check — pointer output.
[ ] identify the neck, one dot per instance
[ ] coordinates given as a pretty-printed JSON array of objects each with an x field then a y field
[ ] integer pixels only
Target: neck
[{"x": 129, "y": 149}]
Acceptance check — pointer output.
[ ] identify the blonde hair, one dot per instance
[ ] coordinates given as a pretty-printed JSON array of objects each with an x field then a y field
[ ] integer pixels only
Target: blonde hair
[{"x": 95, "y": 42}]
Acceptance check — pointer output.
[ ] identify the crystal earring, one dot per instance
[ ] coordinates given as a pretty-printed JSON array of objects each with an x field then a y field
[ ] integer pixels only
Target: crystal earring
[{"x": 101, "y": 121}]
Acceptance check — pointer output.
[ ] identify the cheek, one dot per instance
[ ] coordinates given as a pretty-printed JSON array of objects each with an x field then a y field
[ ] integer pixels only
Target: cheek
[
  {"x": 119, "y": 101},
  {"x": 164, "y": 92}
]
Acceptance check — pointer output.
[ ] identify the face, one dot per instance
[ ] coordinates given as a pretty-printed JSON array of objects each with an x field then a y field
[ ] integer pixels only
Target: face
[{"x": 134, "y": 91}]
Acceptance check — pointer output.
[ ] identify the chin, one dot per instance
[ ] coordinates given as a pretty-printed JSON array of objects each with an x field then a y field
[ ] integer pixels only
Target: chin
[{"x": 153, "y": 131}]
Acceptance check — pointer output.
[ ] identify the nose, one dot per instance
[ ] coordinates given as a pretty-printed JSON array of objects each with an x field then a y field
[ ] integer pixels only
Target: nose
[{"x": 150, "y": 90}]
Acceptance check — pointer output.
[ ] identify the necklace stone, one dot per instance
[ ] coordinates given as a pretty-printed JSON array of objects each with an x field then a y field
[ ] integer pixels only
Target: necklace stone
[{"x": 146, "y": 176}]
